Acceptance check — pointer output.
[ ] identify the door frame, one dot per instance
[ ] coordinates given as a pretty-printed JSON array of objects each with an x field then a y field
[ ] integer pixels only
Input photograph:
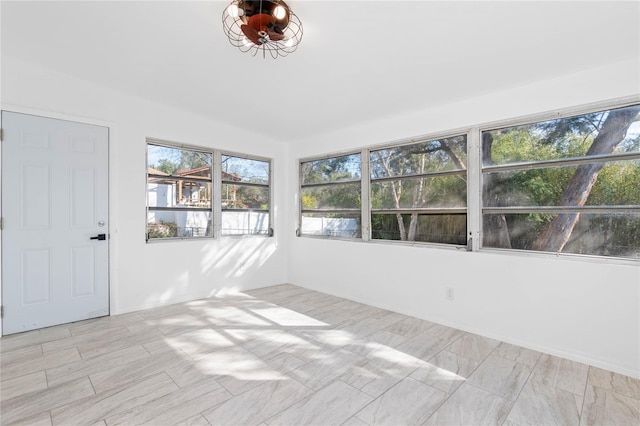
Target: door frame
[{"x": 113, "y": 225}]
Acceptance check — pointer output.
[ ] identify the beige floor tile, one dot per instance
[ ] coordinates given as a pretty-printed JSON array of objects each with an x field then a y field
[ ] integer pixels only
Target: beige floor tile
[
  {"x": 518, "y": 354},
  {"x": 618, "y": 383},
  {"x": 442, "y": 331},
  {"x": 354, "y": 421},
  {"x": 23, "y": 406},
  {"x": 334, "y": 338},
  {"x": 197, "y": 420},
  {"x": 98, "y": 338},
  {"x": 236, "y": 369},
  {"x": 543, "y": 405},
  {"x": 376, "y": 342},
  {"x": 201, "y": 340},
  {"x": 363, "y": 328},
  {"x": 326, "y": 368},
  {"x": 471, "y": 406},
  {"x": 98, "y": 407},
  {"x": 235, "y": 316},
  {"x": 41, "y": 419},
  {"x": 473, "y": 346},
  {"x": 258, "y": 404},
  {"x": 409, "y": 327},
  {"x": 23, "y": 385},
  {"x": 445, "y": 371},
  {"x": 160, "y": 345},
  {"x": 283, "y": 362},
  {"x": 174, "y": 407},
  {"x": 327, "y": 310},
  {"x": 268, "y": 343},
  {"x": 500, "y": 376},
  {"x": 384, "y": 370},
  {"x": 133, "y": 371},
  {"x": 92, "y": 325},
  {"x": 311, "y": 304},
  {"x": 30, "y": 338},
  {"x": 561, "y": 373},
  {"x": 19, "y": 355},
  {"x": 96, "y": 349},
  {"x": 343, "y": 399},
  {"x": 424, "y": 346},
  {"x": 410, "y": 402},
  {"x": 178, "y": 324},
  {"x": 47, "y": 360},
  {"x": 285, "y": 317},
  {"x": 603, "y": 407},
  {"x": 86, "y": 367}
]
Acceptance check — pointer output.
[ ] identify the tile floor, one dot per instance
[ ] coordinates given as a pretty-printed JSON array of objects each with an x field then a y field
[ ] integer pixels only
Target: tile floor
[{"x": 285, "y": 355}]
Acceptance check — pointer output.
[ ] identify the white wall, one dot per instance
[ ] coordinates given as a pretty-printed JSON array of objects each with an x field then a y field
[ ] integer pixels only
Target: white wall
[
  {"x": 588, "y": 311},
  {"x": 146, "y": 275}
]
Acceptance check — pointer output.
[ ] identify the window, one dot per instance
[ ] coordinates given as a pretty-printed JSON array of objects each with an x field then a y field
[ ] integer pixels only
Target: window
[
  {"x": 245, "y": 196},
  {"x": 419, "y": 191},
  {"x": 179, "y": 192},
  {"x": 330, "y": 197},
  {"x": 570, "y": 185},
  {"x": 183, "y": 184}
]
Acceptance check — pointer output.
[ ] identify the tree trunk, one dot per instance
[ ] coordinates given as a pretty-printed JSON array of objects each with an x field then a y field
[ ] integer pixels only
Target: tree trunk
[
  {"x": 403, "y": 232},
  {"x": 494, "y": 227},
  {"x": 557, "y": 232},
  {"x": 397, "y": 193},
  {"x": 417, "y": 200}
]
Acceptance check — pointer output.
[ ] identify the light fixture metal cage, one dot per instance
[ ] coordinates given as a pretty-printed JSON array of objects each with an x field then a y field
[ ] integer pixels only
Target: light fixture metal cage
[{"x": 286, "y": 24}]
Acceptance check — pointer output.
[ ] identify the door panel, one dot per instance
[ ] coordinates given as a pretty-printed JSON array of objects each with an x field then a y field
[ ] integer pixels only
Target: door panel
[{"x": 54, "y": 199}]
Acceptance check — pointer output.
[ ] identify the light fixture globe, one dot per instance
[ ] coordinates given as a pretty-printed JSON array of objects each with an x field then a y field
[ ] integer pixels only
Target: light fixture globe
[{"x": 262, "y": 25}]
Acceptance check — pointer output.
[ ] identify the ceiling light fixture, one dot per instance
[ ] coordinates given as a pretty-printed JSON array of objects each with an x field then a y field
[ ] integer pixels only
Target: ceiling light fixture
[{"x": 262, "y": 25}]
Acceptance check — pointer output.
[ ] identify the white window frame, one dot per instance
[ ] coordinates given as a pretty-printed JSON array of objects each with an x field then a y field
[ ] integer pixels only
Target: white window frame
[
  {"x": 539, "y": 118},
  {"x": 216, "y": 184},
  {"x": 360, "y": 211},
  {"x": 474, "y": 181},
  {"x": 269, "y": 185},
  {"x": 424, "y": 210}
]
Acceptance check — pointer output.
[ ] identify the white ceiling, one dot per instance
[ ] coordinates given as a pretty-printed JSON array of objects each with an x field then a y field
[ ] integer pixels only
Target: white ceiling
[{"x": 358, "y": 60}]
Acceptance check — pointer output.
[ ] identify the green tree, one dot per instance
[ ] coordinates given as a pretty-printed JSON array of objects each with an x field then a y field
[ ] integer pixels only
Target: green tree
[
  {"x": 167, "y": 166},
  {"x": 419, "y": 192},
  {"x": 557, "y": 232}
]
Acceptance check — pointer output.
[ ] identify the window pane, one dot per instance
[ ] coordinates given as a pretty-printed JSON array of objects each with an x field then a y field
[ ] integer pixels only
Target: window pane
[
  {"x": 433, "y": 156},
  {"x": 339, "y": 196},
  {"x": 245, "y": 223},
  {"x": 177, "y": 161},
  {"x": 178, "y": 224},
  {"x": 334, "y": 225},
  {"x": 244, "y": 197},
  {"x": 617, "y": 183},
  {"x": 334, "y": 169},
  {"x": 564, "y": 138},
  {"x": 614, "y": 234},
  {"x": 178, "y": 193},
  {"x": 244, "y": 170},
  {"x": 439, "y": 191},
  {"x": 440, "y": 228}
]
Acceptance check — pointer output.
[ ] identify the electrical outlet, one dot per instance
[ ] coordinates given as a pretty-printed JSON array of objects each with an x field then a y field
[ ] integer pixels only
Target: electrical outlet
[{"x": 449, "y": 293}]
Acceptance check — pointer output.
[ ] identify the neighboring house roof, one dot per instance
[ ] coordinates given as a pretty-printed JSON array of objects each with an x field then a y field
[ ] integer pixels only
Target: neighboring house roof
[
  {"x": 202, "y": 171},
  {"x": 198, "y": 172},
  {"x": 153, "y": 171}
]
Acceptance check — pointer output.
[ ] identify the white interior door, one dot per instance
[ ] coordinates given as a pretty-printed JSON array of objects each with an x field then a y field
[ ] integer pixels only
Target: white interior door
[{"x": 54, "y": 200}]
